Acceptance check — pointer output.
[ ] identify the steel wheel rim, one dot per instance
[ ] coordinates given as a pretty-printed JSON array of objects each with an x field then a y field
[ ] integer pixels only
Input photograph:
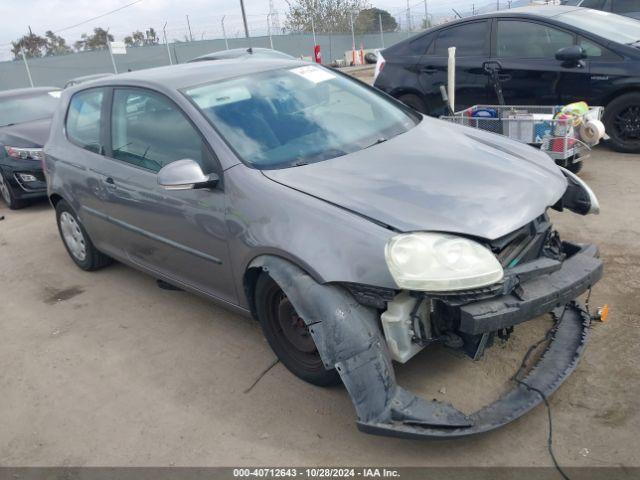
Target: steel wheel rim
[
  {"x": 72, "y": 236},
  {"x": 302, "y": 350},
  {"x": 627, "y": 123},
  {"x": 4, "y": 190}
]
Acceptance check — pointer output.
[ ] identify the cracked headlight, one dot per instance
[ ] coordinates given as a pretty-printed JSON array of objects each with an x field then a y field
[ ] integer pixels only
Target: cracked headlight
[{"x": 435, "y": 262}]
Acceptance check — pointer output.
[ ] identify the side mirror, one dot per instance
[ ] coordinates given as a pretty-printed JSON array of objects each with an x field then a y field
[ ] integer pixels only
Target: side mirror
[
  {"x": 571, "y": 55},
  {"x": 185, "y": 174}
]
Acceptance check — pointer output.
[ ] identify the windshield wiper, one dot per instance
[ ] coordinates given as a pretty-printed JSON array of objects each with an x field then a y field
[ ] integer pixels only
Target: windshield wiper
[{"x": 377, "y": 142}]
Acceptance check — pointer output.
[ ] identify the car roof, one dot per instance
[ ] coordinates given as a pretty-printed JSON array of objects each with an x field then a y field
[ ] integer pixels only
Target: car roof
[
  {"x": 20, "y": 92},
  {"x": 196, "y": 73}
]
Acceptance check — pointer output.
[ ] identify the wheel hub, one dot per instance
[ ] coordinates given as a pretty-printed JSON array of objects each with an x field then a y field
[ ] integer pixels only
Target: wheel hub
[{"x": 294, "y": 328}]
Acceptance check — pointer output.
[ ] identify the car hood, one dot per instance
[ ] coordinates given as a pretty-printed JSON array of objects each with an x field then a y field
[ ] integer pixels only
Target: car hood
[
  {"x": 438, "y": 177},
  {"x": 27, "y": 134}
]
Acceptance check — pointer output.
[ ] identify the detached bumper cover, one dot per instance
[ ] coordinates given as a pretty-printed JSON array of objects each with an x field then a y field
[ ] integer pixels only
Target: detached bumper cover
[{"x": 348, "y": 338}]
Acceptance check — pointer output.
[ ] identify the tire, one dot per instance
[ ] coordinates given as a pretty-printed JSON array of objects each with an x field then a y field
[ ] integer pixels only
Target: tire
[
  {"x": 7, "y": 195},
  {"x": 574, "y": 167},
  {"x": 622, "y": 122},
  {"x": 76, "y": 241},
  {"x": 414, "y": 102},
  {"x": 287, "y": 335}
]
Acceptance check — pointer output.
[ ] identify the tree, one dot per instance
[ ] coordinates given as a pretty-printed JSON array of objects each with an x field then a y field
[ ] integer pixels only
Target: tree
[
  {"x": 368, "y": 21},
  {"x": 138, "y": 39},
  {"x": 32, "y": 45},
  {"x": 56, "y": 45},
  {"x": 426, "y": 23},
  {"x": 99, "y": 39},
  {"x": 328, "y": 15}
]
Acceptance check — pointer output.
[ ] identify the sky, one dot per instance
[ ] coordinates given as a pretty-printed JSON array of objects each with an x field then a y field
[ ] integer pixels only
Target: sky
[{"x": 204, "y": 16}]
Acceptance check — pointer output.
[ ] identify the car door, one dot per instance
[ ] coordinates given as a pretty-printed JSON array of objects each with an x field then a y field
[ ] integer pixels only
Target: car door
[
  {"x": 471, "y": 40},
  {"x": 180, "y": 234},
  {"x": 528, "y": 72}
]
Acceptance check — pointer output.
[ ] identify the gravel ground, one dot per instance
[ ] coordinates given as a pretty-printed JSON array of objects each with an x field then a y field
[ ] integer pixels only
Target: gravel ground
[{"x": 107, "y": 369}]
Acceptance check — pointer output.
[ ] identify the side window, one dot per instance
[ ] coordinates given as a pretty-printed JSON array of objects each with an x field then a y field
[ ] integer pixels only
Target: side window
[
  {"x": 469, "y": 39},
  {"x": 594, "y": 50},
  {"x": 422, "y": 45},
  {"x": 149, "y": 131},
  {"x": 625, "y": 6},
  {"x": 83, "y": 119},
  {"x": 514, "y": 40}
]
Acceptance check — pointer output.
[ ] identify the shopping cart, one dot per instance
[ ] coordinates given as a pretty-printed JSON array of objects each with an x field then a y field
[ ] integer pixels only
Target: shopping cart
[{"x": 559, "y": 136}]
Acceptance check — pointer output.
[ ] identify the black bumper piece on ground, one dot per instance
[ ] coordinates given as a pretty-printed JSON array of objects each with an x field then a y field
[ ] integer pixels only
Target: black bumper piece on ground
[{"x": 348, "y": 338}]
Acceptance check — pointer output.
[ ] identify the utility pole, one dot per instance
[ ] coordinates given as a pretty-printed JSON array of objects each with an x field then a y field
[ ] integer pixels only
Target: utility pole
[
  {"x": 497, "y": 5},
  {"x": 166, "y": 42},
  {"x": 224, "y": 34},
  {"x": 381, "y": 31},
  {"x": 353, "y": 38},
  {"x": 244, "y": 19},
  {"x": 189, "y": 25},
  {"x": 408, "y": 17}
]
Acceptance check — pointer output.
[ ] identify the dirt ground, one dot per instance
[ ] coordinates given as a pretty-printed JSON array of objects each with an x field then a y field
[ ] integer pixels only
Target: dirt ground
[{"x": 105, "y": 368}]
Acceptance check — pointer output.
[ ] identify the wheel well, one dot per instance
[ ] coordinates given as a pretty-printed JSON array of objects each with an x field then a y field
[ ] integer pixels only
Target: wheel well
[
  {"x": 249, "y": 281},
  {"x": 55, "y": 199},
  {"x": 619, "y": 93}
]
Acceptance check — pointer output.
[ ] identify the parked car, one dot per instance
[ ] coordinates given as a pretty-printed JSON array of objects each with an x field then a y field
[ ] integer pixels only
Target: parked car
[
  {"x": 550, "y": 55},
  {"x": 251, "y": 52},
  {"x": 628, "y": 8},
  {"x": 331, "y": 213},
  {"x": 85, "y": 78},
  {"x": 25, "y": 116}
]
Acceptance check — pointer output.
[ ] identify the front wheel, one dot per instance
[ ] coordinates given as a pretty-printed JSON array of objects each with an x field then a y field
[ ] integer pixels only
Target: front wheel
[
  {"x": 76, "y": 240},
  {"x": 288, "y": 335},
  {"x": 622, "y": 123},
  {"x": 8, "y": 196}
]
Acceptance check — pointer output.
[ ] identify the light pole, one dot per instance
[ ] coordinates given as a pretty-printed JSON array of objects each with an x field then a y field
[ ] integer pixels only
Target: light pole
[
  {"x": 426, "y": 15},
  {"x": 381, "y": 31},
  {"x": 244, "y": 19},
  {"x": 269, "y": 30},
  {"x": 166, "y": 42},
  {"x": 224, "y": 34}
]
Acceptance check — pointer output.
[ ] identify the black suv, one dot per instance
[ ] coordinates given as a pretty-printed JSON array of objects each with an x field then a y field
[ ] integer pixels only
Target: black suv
[{"x": 549, "y": 55}]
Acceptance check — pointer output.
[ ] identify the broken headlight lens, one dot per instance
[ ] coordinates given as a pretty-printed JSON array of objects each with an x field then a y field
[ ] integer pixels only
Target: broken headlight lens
[{"x": 434, "y": 262}]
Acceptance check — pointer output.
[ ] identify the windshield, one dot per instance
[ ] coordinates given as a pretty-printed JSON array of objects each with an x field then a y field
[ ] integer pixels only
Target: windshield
[
  {"x": 25, "y": 108},
  {"x": 288, "y": 117},
  {"x": 608, "y": 25}
]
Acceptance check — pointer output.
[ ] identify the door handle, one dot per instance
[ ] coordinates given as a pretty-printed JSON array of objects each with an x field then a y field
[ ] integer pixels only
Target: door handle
[
  {"x": 110, "y": 182},
  {"x": 504, "y": 77},
  {"x": 428, "y": 70}
]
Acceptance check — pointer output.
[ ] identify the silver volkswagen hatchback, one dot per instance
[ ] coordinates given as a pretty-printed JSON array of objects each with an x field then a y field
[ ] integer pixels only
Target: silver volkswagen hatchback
[{"x": 355, "y": 230}]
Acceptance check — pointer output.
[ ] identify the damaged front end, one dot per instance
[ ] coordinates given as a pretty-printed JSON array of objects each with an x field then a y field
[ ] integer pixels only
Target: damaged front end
[{"x": 360, "y": 330}]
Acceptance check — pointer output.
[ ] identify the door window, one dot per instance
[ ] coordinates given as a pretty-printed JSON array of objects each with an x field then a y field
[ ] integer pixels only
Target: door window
[
  {"x": 530, "y": 40},
  {"x": 470, "y": 40},
  {"x": 83, "y": 119},
  {"x": 149, "y": 131}
]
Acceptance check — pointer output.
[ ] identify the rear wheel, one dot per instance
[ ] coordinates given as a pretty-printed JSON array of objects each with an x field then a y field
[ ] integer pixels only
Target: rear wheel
[
  {"x": 7, "y": 195},
  {"x": 622, "y": 122},
  {"x": 76, "y": 240},
  {"x": 288, "y": 335},
  {"x": 574, "y": 167},
  {"x": 415, "y": 102}
]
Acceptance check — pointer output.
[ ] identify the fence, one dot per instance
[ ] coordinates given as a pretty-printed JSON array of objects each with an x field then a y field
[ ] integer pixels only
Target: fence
[{"x": 55, "y": 71}]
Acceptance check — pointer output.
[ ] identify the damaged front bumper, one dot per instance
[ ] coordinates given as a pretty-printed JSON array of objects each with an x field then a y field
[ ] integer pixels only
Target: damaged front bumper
[{"x": 348, "y": 338}]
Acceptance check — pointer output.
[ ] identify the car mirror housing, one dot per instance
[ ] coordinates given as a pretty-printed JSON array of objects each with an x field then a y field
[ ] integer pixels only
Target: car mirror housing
[
  {"x": 572, "y": 54},
  {"x": 185, "y": 174}
]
